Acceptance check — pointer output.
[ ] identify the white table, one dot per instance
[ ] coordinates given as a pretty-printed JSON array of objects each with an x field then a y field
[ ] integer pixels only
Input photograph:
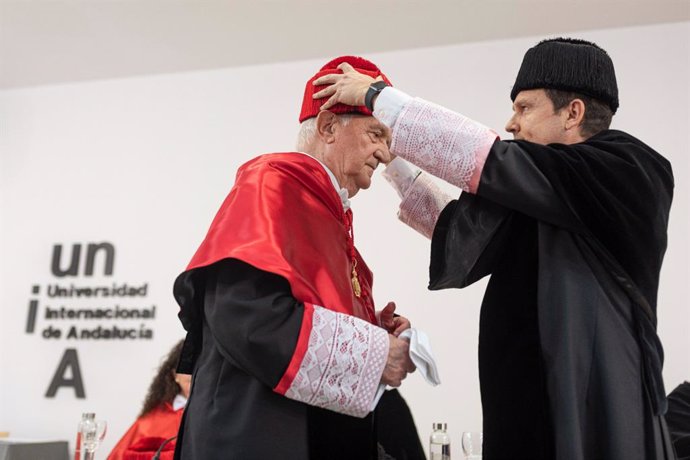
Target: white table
[{"x": 28, "y": 449}]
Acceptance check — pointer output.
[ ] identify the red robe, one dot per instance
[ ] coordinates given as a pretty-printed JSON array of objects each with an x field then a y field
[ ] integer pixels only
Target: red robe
[
  {"x": 160, "y": 422},
  {"x": 294, "y": 190},
  {"x": 271, "y": 377}
]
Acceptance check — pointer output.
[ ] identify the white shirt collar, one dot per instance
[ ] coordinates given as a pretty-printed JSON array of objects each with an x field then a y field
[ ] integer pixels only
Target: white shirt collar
[
  {"x": 179, "y": 402},
  {"x": 342, "y": 192}
]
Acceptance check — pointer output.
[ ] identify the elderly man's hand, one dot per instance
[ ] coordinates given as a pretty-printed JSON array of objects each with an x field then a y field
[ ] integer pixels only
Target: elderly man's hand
[
  {"x": 349, "y": 88},
  {"x": 399, "y": 363},
  {"x": 390, "y": 322}
]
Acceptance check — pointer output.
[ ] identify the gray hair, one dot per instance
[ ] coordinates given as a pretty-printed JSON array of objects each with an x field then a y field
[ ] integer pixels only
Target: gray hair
[{"x": 307, "y": 130}]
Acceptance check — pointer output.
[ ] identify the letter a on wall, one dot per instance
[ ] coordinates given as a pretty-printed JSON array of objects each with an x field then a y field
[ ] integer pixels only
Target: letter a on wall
[{"x": 69, "y": 360}]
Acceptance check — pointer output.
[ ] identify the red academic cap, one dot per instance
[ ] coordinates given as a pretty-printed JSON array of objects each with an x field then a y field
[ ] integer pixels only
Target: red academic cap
[{"x": 311, "y": 107}]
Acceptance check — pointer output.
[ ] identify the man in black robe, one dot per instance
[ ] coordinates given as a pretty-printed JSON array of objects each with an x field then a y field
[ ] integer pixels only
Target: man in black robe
[
  {"x": 570, "y": 220},
  {"x": 285, "y": 347}
]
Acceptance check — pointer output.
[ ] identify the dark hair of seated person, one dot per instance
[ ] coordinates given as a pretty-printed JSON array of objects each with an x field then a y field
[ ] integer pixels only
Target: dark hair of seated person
[{"x": 163, "y": 388}]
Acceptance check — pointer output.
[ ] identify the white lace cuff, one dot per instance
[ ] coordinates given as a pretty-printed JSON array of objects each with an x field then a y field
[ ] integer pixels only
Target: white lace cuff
[
  {"x": 343, "y": 364},
  {"x": 442, "y": 142},
  {"x": 400, "y": 175},
  {"x": 422, "y": 205},
  {"x": 389, "y": 104}
]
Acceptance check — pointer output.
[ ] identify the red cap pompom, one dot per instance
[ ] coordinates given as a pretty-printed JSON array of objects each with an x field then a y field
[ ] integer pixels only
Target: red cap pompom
[{"x": 311, "y": 107}]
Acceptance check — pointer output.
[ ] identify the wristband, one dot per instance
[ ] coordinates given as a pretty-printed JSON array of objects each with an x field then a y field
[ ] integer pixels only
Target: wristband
[{"x": 374, "y": 89}]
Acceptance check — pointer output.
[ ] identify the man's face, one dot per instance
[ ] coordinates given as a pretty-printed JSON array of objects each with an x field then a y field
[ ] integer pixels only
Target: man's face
[
  {"x": 357, "y": 149},
  {"x": 534, "y": 119}
]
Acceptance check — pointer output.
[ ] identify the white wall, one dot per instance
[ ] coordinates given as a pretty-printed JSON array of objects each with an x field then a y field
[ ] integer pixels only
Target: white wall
[{"x": 143, "y": 163}]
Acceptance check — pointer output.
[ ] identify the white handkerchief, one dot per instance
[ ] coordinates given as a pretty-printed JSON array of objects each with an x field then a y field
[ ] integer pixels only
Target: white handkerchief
[{"x": 422, "y": 357}]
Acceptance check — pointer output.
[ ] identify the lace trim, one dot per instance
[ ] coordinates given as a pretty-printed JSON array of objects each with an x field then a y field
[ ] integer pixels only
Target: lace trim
[
  {"x": 400, "y": 175},
  {"x": 343, "y": 364},
  {"x": 442, "y": 142},
  {"x": 423, "y": 204}
]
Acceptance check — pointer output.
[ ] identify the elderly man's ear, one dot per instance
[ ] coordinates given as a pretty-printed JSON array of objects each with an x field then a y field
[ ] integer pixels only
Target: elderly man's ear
[{"x": 326, "y": 123}]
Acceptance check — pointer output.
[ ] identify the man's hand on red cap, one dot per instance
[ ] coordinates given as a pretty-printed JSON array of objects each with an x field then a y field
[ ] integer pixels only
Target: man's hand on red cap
[{"x": 349, "y": 87}]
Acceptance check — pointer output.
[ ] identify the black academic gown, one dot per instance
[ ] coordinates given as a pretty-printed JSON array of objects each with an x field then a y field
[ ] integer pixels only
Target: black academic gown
[
  {"x": 395, "y": 427},
  {"x": 678, "y": 417},
  {"x": 250, "y": 323},
  {"x": 573, "y": 237}
]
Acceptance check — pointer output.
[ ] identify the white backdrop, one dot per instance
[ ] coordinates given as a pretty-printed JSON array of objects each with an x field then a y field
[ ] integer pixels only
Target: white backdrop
[{"x": 143, "y": 164}]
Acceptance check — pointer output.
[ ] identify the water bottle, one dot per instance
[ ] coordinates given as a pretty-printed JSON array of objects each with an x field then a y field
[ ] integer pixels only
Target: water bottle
[
  {"x": 88, "y": 419},
  {"x": 439, "y": 443}
]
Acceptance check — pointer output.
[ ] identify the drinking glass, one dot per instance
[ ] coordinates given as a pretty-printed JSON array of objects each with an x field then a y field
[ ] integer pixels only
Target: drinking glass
[{"x": 472, "y": 444}]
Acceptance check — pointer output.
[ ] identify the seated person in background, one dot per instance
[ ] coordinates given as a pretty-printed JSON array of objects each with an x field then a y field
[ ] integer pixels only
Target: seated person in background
[{"x": 162, "y": 411}]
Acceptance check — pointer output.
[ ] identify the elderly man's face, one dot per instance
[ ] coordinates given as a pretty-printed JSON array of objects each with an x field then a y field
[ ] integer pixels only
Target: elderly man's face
[
  {"x": 534, "y": 119},
  {"x": 357, "y": 149}
]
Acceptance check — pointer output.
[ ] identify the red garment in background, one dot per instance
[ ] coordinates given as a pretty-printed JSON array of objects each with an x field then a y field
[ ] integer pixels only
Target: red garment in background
[
  {"x": 146, "y": 449},
  {"x": 161, "y": 422}
]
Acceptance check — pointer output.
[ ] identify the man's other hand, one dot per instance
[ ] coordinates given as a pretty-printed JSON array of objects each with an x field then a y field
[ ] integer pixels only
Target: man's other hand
[{"x": 393, "y": 324}]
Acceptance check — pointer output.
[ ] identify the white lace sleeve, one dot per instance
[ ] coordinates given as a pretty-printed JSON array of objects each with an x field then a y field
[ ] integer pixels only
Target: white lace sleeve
[
  {"x": 442, "y": 142},
  {"x": 422, "y": 200},
  {"x": 343, "y": 364},
  {"x": 422, "y": 205}
]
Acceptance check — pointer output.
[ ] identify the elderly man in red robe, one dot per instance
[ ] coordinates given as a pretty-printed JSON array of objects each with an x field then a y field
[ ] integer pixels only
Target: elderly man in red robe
[{"x": 286, "y": 349}]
